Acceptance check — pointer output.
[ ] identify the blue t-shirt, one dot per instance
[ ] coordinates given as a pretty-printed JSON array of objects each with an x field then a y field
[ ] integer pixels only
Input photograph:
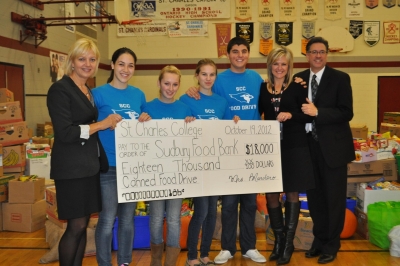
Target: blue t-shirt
[
  {"x": 159, "y": 110},
  {"x": 242, "y": 91},
  {"x": 208, "y": 107},
  {"x": 129, "y": 103}
]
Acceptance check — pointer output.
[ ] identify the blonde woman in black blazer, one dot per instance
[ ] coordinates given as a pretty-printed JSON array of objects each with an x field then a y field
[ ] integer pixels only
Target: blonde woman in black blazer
[{"x": 77, "y": 155}]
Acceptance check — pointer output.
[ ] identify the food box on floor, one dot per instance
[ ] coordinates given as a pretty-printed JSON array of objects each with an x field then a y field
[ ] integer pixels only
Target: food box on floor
[
  {"x": 22, "y": 217},
  {"x": 41, "y": 140},
  {"x": 6, "y": 95},
  {"x": 362, "y": 223},
  {"x": 34, "y": 151},
  {"x": 142, "y": 233},
  {"x": 14, "y": 133},
  {"x": 28, "y": 191},
  {"x": 303, "y": 238},
  {"x": 394, "y": 129},
  {"x": 366, "y": 197},
  {"x": 1, "y": 218},
  {"x": 359, "y": 131},
  {"x": 51, "y": 202},
  {"x": 14, "y": 158},
  {"x": 4, "y": 180},
  {"x": 365, "y": 156},
  {"x": 366, "y": 172},
  {"x": 1, "y": 161},
  {"x": 45, "y": 130},
  {"x": 10, "y": 112},
  {"x": 391, "y": 117},
  {"x": 352, "y": 189},
  {"x": 38, "y": 166}
]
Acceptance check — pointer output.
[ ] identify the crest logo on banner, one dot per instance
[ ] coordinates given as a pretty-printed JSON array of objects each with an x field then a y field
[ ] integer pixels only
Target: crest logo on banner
[
  {"x": 266, "y": 43},
  {"x": 389, "y": 3},
  {"x": 371, "y": 32},
  {"x": 245, "y": 30},
  {"x": 284, "y": 33},
  {"x": 371, "y": 3},
  {"x": 391, "y": 32},
  {"x": 355, "y": 28}
]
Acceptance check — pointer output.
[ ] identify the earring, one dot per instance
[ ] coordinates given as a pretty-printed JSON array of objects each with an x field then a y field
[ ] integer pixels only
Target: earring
[{"x": 73, "y": 68}]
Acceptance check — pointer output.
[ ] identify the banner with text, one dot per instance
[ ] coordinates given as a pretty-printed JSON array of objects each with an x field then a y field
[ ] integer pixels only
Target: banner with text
[{"x": 164, "y": 159}]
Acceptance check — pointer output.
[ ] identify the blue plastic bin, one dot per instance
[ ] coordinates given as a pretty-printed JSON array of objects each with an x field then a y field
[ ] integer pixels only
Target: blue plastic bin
[
  {"x": 351, "y": 205},
  {"x": 142, "y": 233}
]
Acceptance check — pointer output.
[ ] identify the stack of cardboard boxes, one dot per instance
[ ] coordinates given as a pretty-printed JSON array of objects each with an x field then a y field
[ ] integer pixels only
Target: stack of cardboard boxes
[{"x": 391, "y": 123}]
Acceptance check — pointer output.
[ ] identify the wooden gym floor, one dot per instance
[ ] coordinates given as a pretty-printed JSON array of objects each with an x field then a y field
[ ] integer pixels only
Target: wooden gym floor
[{"x": 27, "y": 248}]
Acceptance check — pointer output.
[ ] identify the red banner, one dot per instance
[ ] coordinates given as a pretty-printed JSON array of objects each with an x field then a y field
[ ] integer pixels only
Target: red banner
[{"x": 223, "y": 36}]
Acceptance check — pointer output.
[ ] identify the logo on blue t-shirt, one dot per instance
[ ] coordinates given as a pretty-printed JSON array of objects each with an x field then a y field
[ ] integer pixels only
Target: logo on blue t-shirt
[
  {"x": 243, "y": 97},
  {"x": 210, "y": 117},
  {"x": 126, "y": 113}
]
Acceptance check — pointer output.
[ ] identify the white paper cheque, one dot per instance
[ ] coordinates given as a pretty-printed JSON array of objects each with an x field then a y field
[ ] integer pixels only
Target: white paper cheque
[{"x": 165, "y": 159}]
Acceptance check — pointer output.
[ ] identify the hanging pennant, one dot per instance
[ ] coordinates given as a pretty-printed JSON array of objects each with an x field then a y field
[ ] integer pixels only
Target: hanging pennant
[
  {"x": 371, "y": 32},
  {"x": 308, "y": 10},
  {"x": 243, "y": 10},
  {"x": 389, "y": 3},
  {"x": 391, "y": 33},
  {"x": 245, "y": 30},
  {"x": 333, "y": 9},
  {"x": 266, "y": 43},
  {"x": 223, "y": 31},
  {"x": 371, "y": 3},
  {"x": 287, "y": 10},
  {"x": 266, "y": 10},
  {"x": 355, "y": 28},
  {"x": 308, "y": 32},
  {"x": 284, "y": 33},
  {"x": 354, "y": 9}
]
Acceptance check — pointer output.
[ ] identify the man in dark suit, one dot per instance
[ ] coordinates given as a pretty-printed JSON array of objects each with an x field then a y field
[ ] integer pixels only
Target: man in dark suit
[{"x": 330, "y": 101}]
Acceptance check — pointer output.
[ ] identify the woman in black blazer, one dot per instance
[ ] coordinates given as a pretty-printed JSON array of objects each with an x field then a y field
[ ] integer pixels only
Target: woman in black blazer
[{"x": 77, "y": 155}]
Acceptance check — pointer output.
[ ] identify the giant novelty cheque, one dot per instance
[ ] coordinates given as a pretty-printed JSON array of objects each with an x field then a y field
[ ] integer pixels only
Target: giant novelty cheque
[{"x": 164, "y": 159}]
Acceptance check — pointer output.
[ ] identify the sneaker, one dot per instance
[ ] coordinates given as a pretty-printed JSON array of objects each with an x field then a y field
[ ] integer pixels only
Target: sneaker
[
  {"x": 254, "y": 255},
  {"x": 223, "y": 256}
]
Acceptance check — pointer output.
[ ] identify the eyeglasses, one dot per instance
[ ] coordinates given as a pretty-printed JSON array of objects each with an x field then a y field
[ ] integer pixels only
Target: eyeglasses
[{"x": 314, "y": 52}]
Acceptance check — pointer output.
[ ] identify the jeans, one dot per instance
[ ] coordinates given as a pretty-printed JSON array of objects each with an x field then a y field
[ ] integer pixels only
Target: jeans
[
  {"x": 111, "y": 208},
  {"x": 229, "y": 218},
  {"x": 172, "y": 210},
  {"x": 204, "y": 216}
]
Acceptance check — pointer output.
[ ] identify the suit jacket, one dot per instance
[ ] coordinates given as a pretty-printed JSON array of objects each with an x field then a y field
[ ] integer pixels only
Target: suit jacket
[
  {"x": 334, "y": 101},
  {"x": 73, "y": 156}
]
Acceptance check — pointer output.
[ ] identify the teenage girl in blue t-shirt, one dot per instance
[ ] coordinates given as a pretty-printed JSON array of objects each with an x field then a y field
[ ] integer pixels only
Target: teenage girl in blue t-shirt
[{"x": 166, "y": 107}]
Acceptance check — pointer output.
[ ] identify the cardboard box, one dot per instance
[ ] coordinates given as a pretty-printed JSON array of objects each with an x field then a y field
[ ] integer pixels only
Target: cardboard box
[
  {"x": 359, "y": 131},
  {"x": 4, "y": 180},
  {"x": 45, "y": 130},
  {"x": 38, "y": 166},
  {"x": 391, "y": 117},
  {"x": 60, "y": 223},
  {"x": 394, "y": 129},
  {"x": 362, "y": 223},
  {"x": 41, "y": 140},
  {"x": 6, "y": 95},
  {"x": 1, "y": 218},
  {"x": 366, "y": 197},
  {"x": 37, "y": 150},
  {"x": 1, "y": 161},
  {"x": 303, "y": 238},
  {"x": 24, "y": 217},
  {"x": 365, "y": 156},
  {"x": 14, "y": 133},
  {"x": 14, "y": 158},
  {"x": 352, "y": 190},
  {"x": 10, "y": 112},
  {"x": 366, "y": 172},
  {"x": 51, "y": 202},
  {"x": 26, "y": 191}
]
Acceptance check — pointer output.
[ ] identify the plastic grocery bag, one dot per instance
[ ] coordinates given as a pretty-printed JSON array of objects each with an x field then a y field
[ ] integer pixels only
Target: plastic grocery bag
[
  {"x": 382, "y": 217},
  {"x": 394, "y": 236}
]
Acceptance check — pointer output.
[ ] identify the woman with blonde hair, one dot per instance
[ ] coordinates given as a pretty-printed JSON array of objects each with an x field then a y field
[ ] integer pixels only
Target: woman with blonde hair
[{"x": 77, "y": 155}]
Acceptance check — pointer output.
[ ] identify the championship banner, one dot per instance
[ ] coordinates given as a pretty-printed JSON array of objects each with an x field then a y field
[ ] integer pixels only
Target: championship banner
[
  {"x": 355, "y": 28},
  {"x": 175, "y": 10},
  {"x": 391, "y": 33},
  {"x": 166, "y": 159},
  {"x": 308, "y": 10},
  {"x": 389, "y": 3},
  {"x": 284, "y": 33},
  {"x": 245, "y": 30},
  {"x": 154, "y": 28},
  {"x": 333, "y": 9},
  {"x": 266, "y": 43},
  {"x": 371, "y": 3},
  {"x": 287, "y": 10},
  {"x": 223, "y": 31},
  {"x": 354, "y": 9},
  {"x": 371, "y": 32},
  {"x": 308, "y": 32},
  {"x": 243, "y": 10},
  {"x": 192, "y": 28},
  {"x": 266, "y": 10}
]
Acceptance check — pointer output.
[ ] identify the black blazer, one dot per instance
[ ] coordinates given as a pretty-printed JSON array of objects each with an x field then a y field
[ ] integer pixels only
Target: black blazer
[
  {"x": 72, "y": 156},
  {"x": 334, "y": 101}
]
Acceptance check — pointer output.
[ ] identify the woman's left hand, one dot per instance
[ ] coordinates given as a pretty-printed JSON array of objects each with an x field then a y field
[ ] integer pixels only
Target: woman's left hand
[
  {"x": 144, "y": 117},
  {"x": 283, "y": 116}
]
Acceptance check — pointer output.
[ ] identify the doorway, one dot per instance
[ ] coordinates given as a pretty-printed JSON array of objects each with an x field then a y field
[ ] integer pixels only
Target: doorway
[
  {"x": 388, "y": 96},
  {"x": 12, "y": 78}
]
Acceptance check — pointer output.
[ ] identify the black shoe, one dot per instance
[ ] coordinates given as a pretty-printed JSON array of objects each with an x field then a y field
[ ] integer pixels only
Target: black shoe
[
  {"x": 313, "y": 253},
  {"x": 326, "y": 258}
]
